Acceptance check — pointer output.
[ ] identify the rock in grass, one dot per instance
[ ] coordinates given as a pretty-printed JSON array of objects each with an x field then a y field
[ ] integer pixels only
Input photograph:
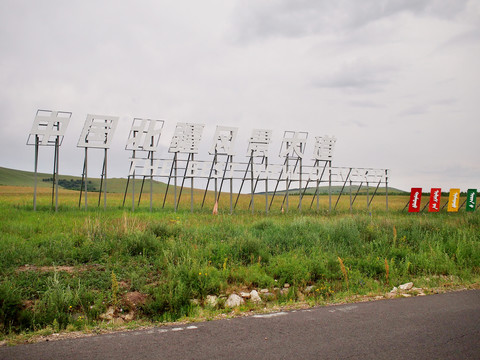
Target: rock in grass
[
  {"x": 245, "y": 295},
  {"x": 406, "y": 286},
  {"x": 211, "y": 300},
  {"x": 309, "y": 289},
  {"x": 268, "y": 296},
  {"x": 108, "y": 315},
  {"x": 255, "y": 297},
  {"x": 195, "y": 302},
  {"x": 234, "y": 300},
  {"x": 264, "y": 291}
]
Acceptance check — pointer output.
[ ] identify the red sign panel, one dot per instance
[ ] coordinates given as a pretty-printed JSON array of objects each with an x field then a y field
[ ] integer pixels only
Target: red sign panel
[
  {"x": 434, "y": 205},
  {"x": 415, "y": 199}
]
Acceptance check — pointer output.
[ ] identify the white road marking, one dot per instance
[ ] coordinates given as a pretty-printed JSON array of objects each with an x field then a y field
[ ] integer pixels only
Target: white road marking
[
  {"x": 264, "y": 316},
  {"x": 344, "y": 309}
]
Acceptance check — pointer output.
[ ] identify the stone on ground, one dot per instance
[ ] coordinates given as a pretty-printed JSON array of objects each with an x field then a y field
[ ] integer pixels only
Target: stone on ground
[
  {"x": 234, "y": 300},
  {"x": 211, "y": 300},
  {"x": 406, "y": 286},
  {"x": 255, "y": 297}
]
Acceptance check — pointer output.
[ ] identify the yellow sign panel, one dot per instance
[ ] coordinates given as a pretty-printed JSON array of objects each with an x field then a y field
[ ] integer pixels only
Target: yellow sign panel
[{"x": 453, "y": 200}]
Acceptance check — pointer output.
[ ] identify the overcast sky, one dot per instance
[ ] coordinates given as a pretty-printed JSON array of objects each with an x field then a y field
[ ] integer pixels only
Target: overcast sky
[{"x": 397, "y": 82}]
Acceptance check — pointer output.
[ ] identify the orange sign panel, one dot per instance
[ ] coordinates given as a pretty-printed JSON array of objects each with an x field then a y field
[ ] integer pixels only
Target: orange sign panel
[{"x": 453, "y": 200}]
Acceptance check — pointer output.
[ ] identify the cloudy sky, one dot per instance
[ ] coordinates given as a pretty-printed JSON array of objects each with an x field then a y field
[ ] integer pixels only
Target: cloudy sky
[{"x": 397, "y": 82}]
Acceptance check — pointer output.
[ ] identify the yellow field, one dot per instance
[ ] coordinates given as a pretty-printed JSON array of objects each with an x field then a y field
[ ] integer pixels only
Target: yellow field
[{"x": 23, "y": 196}]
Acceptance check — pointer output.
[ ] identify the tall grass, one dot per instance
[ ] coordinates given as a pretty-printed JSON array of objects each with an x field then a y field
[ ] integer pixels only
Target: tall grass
[{"x": 80, "y": 263}]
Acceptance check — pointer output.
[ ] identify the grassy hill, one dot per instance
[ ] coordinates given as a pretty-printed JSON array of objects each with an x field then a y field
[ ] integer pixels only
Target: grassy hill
[
  {"x": 323, "y": 190},
  {"x": 12, "y": 177}
]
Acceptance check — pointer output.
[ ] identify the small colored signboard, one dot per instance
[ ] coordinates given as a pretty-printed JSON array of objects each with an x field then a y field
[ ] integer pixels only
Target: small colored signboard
[
  {"x": 415, "y": 199},
  {"x": 453, "y": 200},
  {"x": 471, "y": 199},
  {"x": 435, "y": 195}
]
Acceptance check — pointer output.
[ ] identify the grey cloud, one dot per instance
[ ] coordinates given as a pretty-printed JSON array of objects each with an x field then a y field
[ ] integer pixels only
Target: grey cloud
[
  {"x": 357, "y": 75},
  {"x": 446, "y": 101},
  {"x": 458, "y": 170},
  {"x": 470, "y": 37},
  {"x": 365, "y": 104},
  {"x": 421, "y": 109},
  {"x": 354, "y": 122},
  {"x": 300, "y": 18},
  {"x": 415, "y": 110}
]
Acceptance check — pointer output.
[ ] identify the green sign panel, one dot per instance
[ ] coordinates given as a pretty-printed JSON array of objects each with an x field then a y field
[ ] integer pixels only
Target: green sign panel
[{"x": 471, "y": 199}]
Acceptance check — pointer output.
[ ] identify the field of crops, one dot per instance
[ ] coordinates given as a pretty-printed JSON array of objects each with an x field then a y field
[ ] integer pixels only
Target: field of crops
[{"x": 86, "y": 270}]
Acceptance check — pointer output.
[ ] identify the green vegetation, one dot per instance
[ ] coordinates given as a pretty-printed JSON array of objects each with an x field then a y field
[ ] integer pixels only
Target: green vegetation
[
  {"x": 71, "y": 184},
  {"x": 11, "y": 177},
  {"x": 66, "y": 270}
]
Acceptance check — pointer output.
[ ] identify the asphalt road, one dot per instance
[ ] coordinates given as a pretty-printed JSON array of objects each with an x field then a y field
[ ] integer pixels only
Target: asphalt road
[{"x": 445, "y": 326}]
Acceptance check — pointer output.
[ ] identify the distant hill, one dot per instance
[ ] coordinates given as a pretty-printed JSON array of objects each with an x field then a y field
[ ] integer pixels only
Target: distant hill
[
  {"x": 323, "y": 190},
  {"x": 12, "y": 177}
]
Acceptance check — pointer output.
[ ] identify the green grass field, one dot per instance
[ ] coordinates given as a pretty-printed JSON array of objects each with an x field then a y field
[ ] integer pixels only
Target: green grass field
[{"x": 63, "y": 271}]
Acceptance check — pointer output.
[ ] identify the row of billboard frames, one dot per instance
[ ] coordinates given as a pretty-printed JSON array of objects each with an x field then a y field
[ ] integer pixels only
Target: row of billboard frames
[
  {"x": 434, "y": 202},
  {"x": 49, "y": 130}
]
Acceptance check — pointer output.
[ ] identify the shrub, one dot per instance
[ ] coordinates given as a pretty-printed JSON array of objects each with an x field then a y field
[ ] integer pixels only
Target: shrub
[
  {"x": 13, "y": 317},
  {"x": 169, "y": 302}
]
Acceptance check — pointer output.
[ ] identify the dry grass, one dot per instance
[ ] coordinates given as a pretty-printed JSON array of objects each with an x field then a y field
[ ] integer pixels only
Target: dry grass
[{"x": 23, "y": 196}]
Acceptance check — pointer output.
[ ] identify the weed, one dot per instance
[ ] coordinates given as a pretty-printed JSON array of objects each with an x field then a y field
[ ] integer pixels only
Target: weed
[
  {"x": 344, "y": 271},
  {"x": 68, "y": 276},
  {"x": 114, "y": 290}
]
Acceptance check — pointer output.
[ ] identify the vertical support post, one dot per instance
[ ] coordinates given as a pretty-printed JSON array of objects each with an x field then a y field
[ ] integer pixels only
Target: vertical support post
[
  {"x": 183, "y": 178},
  {"x": 286, "y": 182},
  {"x": 81, "y": 185},
  {"x": 105, "y": 187},
  {"x": 368, "y": 198},
  {"x": 168, "y": 182},
  {"x": 329, "y": 186},
  {"x": 175, "y": 182},
  {"x": 101, "y": 182},
  {"x": 133, "y": 185},
  {"x": 229, "y": 159},
  {"x": 243, "y": 181},
  {"x": 251, "y": 183},
  {"x": 215, "y": 181},
  {"x": 126, "y": 189},
  {"x": 151, "y": 178},
  {"x": 191, "y": 191},
  {"x": 276, "y": 185},
  {"x": 231, "y": 194},
  {"x": 350, "y": 196},
  {"x": 35, "y": 177},
  {"x": 57, "y": 148},
  {"x": 209, "y": 177},
  {"x": 86, "y": 178},
  {"x": 386, "y": 189},
  {"x": 316, "y": 194},
  {"x": 266, "y": 186},
  {"x": 343, "y": 188},
  {"x": 54, "y": 171},
  {"x": 300, "y": 188}
]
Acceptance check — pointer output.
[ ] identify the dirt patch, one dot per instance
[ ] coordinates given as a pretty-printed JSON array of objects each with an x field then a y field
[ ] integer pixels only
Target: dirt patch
[
  {"x": 134, "y": 299},
  {"x": 68, "y": 269}
]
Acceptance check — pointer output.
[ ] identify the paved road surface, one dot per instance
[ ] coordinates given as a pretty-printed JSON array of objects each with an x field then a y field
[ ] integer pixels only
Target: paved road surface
[{"x": 445, "y": 326}]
